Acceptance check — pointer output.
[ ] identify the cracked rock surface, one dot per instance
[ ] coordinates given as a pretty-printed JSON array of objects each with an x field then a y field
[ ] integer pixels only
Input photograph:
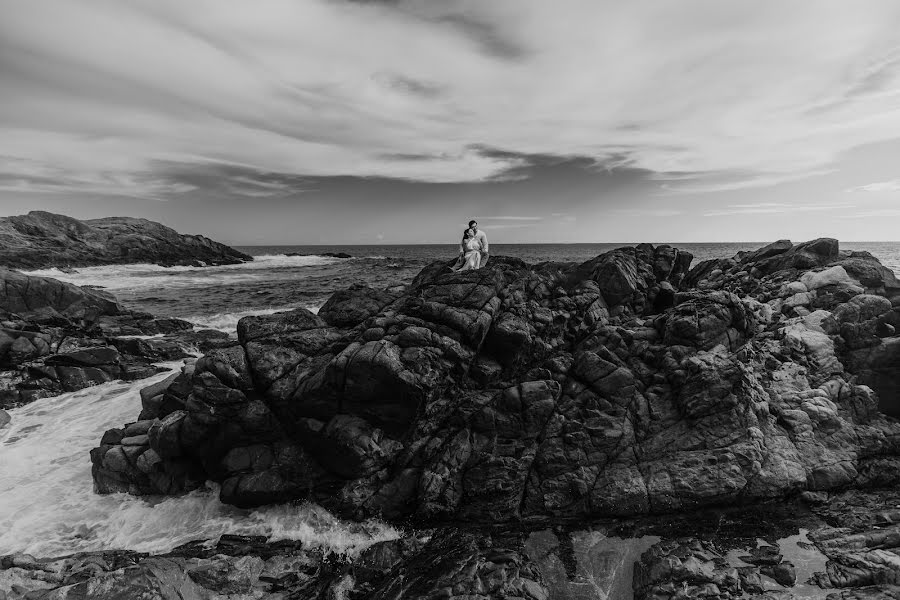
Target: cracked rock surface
[{"x": 629, "y": 384}]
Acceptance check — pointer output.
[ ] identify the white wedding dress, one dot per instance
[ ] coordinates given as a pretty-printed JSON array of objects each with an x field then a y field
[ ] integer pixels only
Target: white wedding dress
[{"x": 472, "y": 257}]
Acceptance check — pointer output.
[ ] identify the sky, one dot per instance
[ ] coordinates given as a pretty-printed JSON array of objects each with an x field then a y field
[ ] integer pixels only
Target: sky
[{"x": 397, "y": 121}]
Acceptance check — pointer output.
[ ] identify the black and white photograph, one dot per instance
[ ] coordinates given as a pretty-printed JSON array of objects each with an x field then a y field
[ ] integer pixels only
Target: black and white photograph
[{"x": 449, "y": 300}]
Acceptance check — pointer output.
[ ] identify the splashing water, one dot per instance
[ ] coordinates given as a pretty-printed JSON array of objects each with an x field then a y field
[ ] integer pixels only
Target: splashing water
[
  {"x": 227, "y": 321},
  {"x": 148, "y": 276},
  {"x": 49, "y": 508}
]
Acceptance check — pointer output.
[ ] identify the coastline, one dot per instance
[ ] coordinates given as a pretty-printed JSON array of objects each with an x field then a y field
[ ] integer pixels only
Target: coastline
[{"x": 543, "y": 552}]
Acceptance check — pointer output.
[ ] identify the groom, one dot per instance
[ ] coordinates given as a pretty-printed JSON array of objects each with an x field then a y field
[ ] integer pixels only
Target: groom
[{"x": 482, "y": 241}]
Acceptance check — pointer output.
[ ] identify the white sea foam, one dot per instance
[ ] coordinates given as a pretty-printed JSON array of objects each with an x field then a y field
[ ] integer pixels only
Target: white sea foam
[
  {"x": 144, "y": 276},
  {"x": 228, "y": 321},
  {"x": 49, "y": 508}
]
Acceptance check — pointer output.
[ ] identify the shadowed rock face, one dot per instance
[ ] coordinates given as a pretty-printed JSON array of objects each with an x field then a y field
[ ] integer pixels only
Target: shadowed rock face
[
  {"x": 621, "y": 386},
  {"x": 41, "y": 239}
]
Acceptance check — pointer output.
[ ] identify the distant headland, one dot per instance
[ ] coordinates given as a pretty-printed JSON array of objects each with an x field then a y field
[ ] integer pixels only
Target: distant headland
[{"x": 42, "y": 239}]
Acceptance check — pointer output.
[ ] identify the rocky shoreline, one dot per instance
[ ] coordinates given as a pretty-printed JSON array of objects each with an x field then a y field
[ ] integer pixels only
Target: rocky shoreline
[
  {"x": 56, "y": 337},
  {"x": 625, "y": 427},
  {"x": 41, "y": 240},
  {"x": 622, "y": 386},
  {"x": 830, "y": 546}
]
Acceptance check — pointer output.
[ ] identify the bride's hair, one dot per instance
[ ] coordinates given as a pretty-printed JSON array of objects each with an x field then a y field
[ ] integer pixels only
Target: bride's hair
[{"x": 467, "y": 233}]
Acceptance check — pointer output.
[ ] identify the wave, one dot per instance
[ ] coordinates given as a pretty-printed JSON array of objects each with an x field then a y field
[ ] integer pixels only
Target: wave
[
  {"x": 49, "y": 508},
  {"x": 227, "y": 321},
  {"x": 144, "y": 276}
]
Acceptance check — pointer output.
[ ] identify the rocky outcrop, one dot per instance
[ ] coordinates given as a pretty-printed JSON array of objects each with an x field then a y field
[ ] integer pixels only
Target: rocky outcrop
[
  {"x": 621, "y": 386},
  {"x": 350, "y": 307},
  {"x": 47, "y": 299},
  {"x": 41, "y": 239},
  {"x": 456, "y": 565},
  {"x": 56, "y": 337},
  {"x": 834, "y": 547}
]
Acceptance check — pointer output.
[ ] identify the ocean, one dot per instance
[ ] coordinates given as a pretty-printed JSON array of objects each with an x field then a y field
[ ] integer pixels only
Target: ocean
[
  {"x": 285, "y": 277},
  {"x": 48, "y": 507}
]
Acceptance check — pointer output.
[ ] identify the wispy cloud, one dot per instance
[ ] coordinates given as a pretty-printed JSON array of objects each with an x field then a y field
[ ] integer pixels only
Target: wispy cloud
[
  {"x": 512, "y": 218},
  {"x": 648, "y": 212},
  {"x": 118, "y": 88},
  {"x": 881, "y": 186},
  {"x": 259, "y": 188},
  {"x": 727, "y": 182},
  {"x": 762, "y": 208},
  {"x": 877, "y": 213},
  {"x": 517, "y": 226}
]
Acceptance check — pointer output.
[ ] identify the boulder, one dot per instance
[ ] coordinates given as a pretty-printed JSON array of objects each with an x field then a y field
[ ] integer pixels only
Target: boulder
[
  {"x": 350, "y": 307},
  {"x": 28, "y": 295}
]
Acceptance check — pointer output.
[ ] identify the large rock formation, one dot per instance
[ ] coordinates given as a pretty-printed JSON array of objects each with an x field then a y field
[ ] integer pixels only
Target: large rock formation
[
  {"x": 621, "y": 386},
  {"x": 41, "y": 239},
  {"x": 57, "y": 337}
]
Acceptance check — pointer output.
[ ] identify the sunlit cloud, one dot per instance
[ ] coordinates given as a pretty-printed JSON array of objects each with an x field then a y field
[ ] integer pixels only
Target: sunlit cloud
[{"x": 752, "y": 94}]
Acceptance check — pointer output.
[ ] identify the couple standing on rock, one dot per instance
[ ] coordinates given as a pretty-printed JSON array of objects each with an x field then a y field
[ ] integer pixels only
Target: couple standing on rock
[{"x": 473, "y": 249}]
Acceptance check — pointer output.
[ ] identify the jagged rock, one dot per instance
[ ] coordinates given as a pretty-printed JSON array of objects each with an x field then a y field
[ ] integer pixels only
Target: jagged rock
[
  {"x": 547, "y": 391},
  {"x": 42, "y": 239},
  {"x": 350, "y": 307}
]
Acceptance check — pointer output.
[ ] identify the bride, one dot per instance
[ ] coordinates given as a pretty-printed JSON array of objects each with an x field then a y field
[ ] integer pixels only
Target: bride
[{"x": 469, "y": 251}]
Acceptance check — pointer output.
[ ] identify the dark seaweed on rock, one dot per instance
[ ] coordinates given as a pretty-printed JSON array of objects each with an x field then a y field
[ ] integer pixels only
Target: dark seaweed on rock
[{"x": 625, "y": 385}]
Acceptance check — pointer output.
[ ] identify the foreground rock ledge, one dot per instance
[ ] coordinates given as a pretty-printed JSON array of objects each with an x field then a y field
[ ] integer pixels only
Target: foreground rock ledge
[
  {"x": 842, "y": 548},
  {"x": 624, "y": 385}
]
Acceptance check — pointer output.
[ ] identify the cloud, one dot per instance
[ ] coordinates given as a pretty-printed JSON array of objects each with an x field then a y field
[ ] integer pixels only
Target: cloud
[
  {"x": 750, "y": 93},
  {"x": 881, "y": 186},
  {"x": 261, "y": 188},
  {"x": 29, "y": 176},
  {"x": 763, "y": 208},
  {"x": 703, "y": 184},
  {"x": 512, "y": 218},
  {"x": 877, "y": 213},
  {"x": 648, "y": 212},
  {"x": 517, "y": 226}
]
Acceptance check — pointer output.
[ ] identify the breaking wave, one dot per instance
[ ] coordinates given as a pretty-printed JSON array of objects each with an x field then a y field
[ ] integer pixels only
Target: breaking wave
[{"x": 50, "y": 509}]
